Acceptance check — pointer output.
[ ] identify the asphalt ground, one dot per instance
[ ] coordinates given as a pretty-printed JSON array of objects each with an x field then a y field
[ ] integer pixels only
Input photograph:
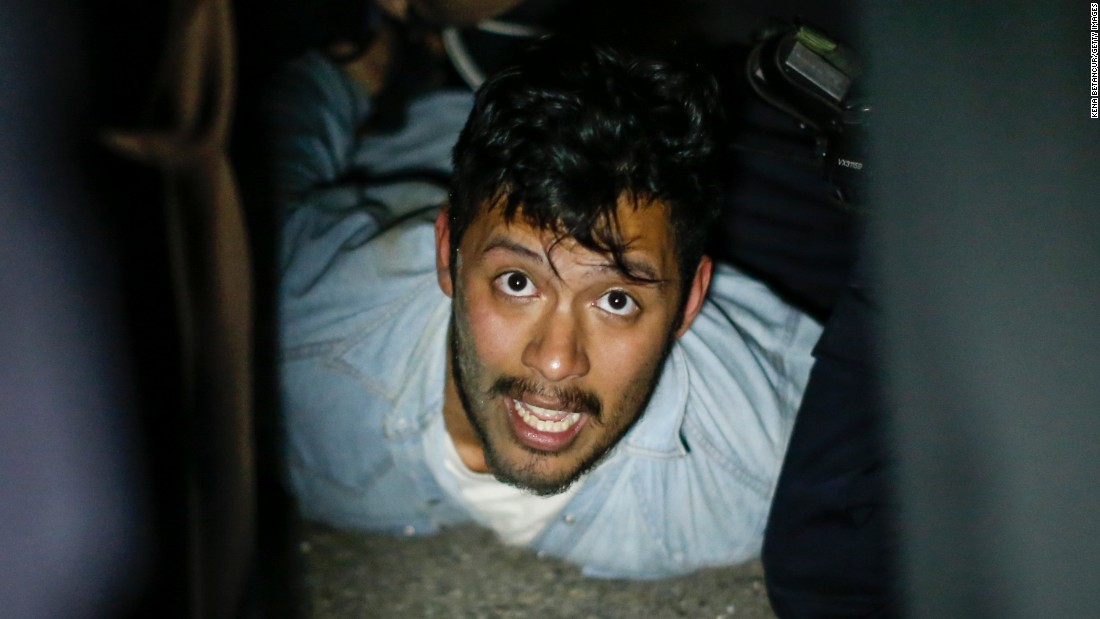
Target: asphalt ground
[{"x": 465, "y": 573}]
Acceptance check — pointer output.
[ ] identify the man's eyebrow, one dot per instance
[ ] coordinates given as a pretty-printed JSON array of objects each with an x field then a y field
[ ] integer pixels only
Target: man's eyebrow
[
  {"x": 639, "y": 271},
  {"x": 635, "y": 271},
  {"x": 501, "y": 242}
]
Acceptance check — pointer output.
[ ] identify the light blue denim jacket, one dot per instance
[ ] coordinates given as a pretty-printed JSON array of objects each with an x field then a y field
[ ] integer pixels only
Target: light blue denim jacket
[{"x": 363, "y": 343}]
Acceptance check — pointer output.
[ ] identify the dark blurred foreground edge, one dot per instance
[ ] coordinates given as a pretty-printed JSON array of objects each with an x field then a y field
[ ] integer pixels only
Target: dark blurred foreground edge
[{"x": 987, "y": 250}]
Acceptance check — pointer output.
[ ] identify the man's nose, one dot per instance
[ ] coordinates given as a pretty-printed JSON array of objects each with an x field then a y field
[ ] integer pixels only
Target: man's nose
[{"x": 556, "y": 349}]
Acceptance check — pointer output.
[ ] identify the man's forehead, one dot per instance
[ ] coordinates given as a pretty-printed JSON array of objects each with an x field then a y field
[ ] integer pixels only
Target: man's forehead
[
  {"x": 636, "y": 221},
  {"x": 643, "y": 231}
]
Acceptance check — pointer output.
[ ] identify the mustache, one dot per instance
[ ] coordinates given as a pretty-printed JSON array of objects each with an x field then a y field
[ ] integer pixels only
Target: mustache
[{"x": 570, "y": 398}]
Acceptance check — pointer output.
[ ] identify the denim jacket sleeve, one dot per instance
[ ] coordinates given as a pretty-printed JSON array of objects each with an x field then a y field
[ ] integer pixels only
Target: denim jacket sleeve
[
  {"x": 357, "y": 304},
  {"x": 338, "y": 189}
]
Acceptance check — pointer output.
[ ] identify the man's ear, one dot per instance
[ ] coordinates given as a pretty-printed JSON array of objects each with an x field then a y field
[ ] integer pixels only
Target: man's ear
[
  {"x": 443, "y": 252},
  {"x": 700, "y": 283}
]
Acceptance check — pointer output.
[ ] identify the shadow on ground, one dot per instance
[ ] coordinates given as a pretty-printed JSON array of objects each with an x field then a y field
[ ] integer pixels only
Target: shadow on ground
[{"x": 465, "y": 573}]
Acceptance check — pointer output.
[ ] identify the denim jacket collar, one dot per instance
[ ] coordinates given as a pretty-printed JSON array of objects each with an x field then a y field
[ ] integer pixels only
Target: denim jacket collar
[{"x": 657, "y": 433}]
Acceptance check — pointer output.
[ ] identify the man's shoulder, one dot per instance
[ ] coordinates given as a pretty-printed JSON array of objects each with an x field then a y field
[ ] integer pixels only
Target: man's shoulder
[
  {"x": 365, "y": 286},
  {"x": 741, "y": 310},
  {"x": 735, "y": 378}
]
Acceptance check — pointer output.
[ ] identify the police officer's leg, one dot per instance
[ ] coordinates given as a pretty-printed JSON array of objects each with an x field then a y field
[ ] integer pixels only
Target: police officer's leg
[{"x": 828, "y": 548}]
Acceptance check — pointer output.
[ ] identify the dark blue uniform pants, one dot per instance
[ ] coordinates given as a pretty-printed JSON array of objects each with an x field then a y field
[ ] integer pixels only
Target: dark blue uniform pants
[{"x": 829, "y": 545}]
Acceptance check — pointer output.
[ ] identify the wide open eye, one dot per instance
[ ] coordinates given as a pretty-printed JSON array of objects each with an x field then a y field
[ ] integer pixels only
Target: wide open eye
[
  {"x": 618, "y": 303},
  {"x": 515, "y": 284}
]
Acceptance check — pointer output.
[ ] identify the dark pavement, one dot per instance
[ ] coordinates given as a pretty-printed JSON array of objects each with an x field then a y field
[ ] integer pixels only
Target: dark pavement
[{"x": 465, "y": 573}]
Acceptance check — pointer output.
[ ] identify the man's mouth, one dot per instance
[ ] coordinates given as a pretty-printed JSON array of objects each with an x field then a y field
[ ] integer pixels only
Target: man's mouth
[
  {"x": 544, "y": 429},
  {"x": 545, "y": 419}
]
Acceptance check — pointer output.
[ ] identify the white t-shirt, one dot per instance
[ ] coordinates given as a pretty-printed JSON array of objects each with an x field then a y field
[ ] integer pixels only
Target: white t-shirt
[{"x": 516, "y": 515}]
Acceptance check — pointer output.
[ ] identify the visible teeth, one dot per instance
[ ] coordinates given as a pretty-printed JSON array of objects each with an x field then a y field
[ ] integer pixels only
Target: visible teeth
[{"x": 527, "y": 414}]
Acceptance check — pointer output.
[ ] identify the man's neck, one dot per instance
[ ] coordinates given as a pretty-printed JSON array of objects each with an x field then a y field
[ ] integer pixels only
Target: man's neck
[{"x": 459, "y": 428}]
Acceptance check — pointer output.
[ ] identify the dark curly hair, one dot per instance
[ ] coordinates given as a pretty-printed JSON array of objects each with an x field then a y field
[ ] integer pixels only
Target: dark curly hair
[{"x": 571, "y": 127}]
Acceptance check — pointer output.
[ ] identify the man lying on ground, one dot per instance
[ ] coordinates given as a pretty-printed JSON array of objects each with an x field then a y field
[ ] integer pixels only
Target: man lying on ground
[{"x": 530, "y": 338}]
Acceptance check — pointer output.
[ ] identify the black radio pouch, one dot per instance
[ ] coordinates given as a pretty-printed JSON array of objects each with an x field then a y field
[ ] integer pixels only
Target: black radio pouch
[{"x": 811, "y": 77}]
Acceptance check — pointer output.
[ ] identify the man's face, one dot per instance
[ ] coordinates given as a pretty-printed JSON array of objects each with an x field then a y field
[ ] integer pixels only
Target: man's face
[{"x": 555, "y": 352}]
